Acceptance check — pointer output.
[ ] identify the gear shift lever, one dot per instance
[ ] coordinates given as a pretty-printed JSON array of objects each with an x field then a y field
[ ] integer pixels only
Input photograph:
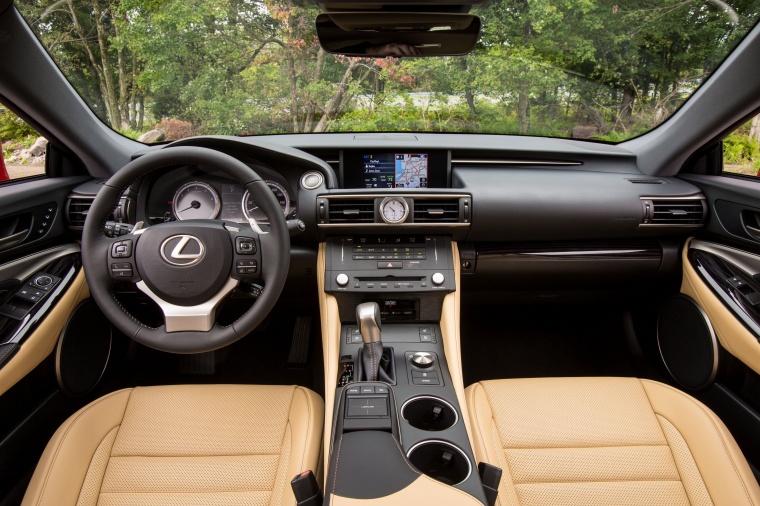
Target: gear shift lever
[{"x": 368, "y": 320}]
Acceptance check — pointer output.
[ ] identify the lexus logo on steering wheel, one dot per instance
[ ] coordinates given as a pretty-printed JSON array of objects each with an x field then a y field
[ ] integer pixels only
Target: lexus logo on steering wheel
[{"x": 182, "y": 250}]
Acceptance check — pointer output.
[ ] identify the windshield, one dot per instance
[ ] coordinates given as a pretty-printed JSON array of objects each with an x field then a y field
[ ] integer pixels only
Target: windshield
[{"x": 602, "y": 70}]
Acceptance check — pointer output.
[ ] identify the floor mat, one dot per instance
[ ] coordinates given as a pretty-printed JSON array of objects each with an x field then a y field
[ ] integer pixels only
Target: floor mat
[{"x": 544, "y": 341}]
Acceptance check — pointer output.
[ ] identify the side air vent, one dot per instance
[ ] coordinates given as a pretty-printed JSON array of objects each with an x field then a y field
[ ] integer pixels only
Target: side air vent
[
  {"x": 351, "y": 211},
  {"x": 78, "y": 206},
  {"x": 674, "y": 212},
  {"x": 76, "y": 211},
  {"x": 436, "y": 211}
]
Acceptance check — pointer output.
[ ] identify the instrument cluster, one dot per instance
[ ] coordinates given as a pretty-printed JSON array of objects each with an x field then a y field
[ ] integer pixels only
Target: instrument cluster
[{"x": 190, "y": 193}]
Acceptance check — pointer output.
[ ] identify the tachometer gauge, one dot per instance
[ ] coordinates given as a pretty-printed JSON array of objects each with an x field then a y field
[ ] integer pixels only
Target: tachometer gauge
[
  {"x": 196, "y": 201},
  {"x": 251, "y": 208},
  {"x": 394, "y": 210}
]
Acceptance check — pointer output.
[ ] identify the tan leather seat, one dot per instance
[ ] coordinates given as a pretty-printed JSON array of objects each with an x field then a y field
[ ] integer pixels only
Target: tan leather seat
[
  {"x": 182, "y": 445},
  {"x": 605, "y": 441}
]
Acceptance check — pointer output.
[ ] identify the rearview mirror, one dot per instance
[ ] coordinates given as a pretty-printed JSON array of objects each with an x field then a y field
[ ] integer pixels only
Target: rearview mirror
[{"x": 380, "y": 34}]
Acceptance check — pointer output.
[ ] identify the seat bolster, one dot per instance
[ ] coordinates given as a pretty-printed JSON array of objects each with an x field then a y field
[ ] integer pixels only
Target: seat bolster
[
  {"x": 306, "y": 421},
  {"x": 721, "y": 463},
  {"x": 487, "y": 446},
  {"x": 63, "y": 466}
]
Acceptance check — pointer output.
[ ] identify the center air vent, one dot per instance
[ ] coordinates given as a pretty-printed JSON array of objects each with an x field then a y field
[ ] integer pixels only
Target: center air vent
[
  {"x": 436, "y": 211},
  {"x": 674, "y": 212},
  {"x": 351, "y": 211}
]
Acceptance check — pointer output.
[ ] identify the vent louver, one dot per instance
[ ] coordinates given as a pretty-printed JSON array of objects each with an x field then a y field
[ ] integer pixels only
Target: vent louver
[
  {"x": 76, "y": 211},
  {"x": 351, "y": 211},
  {"x": 436, "y": 211},
  {"x": 674, "y": 212}
]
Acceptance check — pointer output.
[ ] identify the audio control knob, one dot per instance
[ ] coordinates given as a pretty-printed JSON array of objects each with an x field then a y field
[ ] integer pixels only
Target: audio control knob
[
  {"x": 341, "y": 279},
  {"x": 422, "y": 359},
  {"x": 438, "y": 279}
]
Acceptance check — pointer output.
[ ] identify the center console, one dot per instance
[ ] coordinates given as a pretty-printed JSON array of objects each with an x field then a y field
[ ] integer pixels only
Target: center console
[{"x": 397, "y": 418}]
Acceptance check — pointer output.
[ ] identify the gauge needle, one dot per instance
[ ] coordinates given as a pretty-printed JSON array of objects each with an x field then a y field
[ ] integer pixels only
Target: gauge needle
[{"x": 194, "y": 205}]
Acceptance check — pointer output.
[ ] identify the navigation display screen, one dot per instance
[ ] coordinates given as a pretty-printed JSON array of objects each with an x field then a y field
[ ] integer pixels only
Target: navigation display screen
[
  {"x": 394, "y": 170},
  {"x": 397, "y": 168}
]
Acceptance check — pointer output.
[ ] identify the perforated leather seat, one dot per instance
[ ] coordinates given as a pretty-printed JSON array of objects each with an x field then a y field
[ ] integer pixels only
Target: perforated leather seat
[
  {"x": 182, "y": 445},
  {"x": 605, "y": 441}
]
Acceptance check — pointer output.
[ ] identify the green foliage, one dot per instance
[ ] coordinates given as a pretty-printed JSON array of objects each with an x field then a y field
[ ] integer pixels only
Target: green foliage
[
  {"x": 254, "y": 66},
  {"x": 739, "y": 148},
  {"x": 13, "y": 128}
]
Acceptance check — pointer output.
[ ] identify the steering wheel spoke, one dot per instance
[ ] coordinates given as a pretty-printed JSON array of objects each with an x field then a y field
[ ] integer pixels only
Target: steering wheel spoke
[{"x": 198, "y": 318}]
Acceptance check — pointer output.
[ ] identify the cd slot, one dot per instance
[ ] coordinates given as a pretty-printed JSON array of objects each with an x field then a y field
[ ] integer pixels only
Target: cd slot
[{"x": 395, "y": 279}]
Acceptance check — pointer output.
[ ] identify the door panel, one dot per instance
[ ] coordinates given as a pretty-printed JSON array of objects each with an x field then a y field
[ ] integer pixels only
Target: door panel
[{"x": 720, "y": 279}]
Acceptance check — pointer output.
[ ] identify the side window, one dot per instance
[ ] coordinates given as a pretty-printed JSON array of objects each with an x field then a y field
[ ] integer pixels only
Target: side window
[
  {"x": 23, "y": 149},
  {"x": 741, "y": 149}
]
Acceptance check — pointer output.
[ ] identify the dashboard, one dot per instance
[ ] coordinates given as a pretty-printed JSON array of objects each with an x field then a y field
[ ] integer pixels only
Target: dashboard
[{"x": 566, "y": 215}]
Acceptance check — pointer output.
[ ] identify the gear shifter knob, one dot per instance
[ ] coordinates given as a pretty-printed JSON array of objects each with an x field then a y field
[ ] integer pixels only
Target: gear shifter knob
[{"x": 368, "y": 320}]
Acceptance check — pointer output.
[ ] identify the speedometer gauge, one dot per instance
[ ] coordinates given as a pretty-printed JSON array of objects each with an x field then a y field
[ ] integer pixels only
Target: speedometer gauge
[
  {"x": 196, "y": 201},
  {"x": 251, "y": 208}
]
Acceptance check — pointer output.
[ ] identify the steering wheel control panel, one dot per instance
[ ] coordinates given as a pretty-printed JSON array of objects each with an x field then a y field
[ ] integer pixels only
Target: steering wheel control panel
[{"x": 389, "y": 263}]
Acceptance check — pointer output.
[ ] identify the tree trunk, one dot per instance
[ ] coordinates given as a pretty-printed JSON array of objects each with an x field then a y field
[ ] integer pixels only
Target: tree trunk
[
  {"x": 626, "y": 105},
  {"x": 93, "y": 61},
  {"x": 468, "y": 95},
  {"x": 293, "y": 93},
  {"x": 754, "y": 131},
  {"x": 133, "y": 91},
  {"x": 141, "y": 116},
  {"x": 111, "y": 97},
  {"x": 523, "y": 109},
  {"x": 333, "y": 106}
]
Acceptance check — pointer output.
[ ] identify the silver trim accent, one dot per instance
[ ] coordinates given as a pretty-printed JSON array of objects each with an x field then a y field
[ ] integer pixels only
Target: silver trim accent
[
  {"x": 714, "y": 339},
  {"x": 312, "y": 173},
  {"x": 198, "y": 318},
  {"x": 445, "y": 443},
  {"x": 526, "y": 163},
  {"x": 583, "y": 252},
  {"x": 403, "y": 202},
  {"x": 745, "y": 261},
  {"x": 177, "y": 254},
  {"x": 437, "y": 399},
  {"x": 400, "y": 194},
  {"x": 363, "y": 225}
]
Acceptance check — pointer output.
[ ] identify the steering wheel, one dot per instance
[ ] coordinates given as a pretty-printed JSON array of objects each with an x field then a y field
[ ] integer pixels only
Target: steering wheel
[{"x": 186, "y": 267}]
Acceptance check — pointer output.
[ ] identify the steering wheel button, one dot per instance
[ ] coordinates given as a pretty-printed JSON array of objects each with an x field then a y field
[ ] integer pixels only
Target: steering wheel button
[{"x": 245, "y": 246}]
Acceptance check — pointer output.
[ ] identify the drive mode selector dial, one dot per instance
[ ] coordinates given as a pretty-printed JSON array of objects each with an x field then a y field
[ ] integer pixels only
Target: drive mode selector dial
[
  {"x": 422, "y": 359},
  {"x": 394, "y": 210}
]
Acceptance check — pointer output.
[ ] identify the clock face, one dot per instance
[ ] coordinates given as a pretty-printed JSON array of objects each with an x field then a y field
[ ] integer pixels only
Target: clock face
[{"x": 394, "y": 210}]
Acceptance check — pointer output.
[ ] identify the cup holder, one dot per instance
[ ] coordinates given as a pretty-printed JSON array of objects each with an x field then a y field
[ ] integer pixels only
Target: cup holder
[
  {"x": 429, "y": 413},
  {"x": 441, "y": 461}
]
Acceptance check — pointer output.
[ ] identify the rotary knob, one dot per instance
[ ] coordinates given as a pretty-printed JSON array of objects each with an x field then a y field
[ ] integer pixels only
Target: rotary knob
[
  {"x": 43, "y": 281},
  {"x": 423, "y": 359},
  {"x": 438, "y": 279},
  {"x": 341, "y": 279}
]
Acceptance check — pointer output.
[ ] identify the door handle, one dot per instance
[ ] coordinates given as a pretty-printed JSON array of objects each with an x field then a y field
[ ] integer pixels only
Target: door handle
[{"x": 11, "y": 240}]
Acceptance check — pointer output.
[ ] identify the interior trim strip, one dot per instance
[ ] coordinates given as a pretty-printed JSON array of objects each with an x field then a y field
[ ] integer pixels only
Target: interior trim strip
[{"x": 526, "y": 163}]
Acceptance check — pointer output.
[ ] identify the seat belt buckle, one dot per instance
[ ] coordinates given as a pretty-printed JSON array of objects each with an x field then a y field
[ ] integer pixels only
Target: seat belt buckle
[
  {"x": 306, "y": 489},
  {"x": 490, "y": 476}
]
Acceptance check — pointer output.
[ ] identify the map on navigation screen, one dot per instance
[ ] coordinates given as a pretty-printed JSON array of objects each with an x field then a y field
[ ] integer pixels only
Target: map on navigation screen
[{"x": 411, "y": 171}]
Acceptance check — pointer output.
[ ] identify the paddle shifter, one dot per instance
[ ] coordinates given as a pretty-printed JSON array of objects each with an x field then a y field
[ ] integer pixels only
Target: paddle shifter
[{"x": 375, "y": 366}]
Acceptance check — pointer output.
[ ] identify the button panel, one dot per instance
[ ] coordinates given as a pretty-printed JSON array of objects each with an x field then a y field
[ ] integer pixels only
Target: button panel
[{"x": 29, "y": 295}]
